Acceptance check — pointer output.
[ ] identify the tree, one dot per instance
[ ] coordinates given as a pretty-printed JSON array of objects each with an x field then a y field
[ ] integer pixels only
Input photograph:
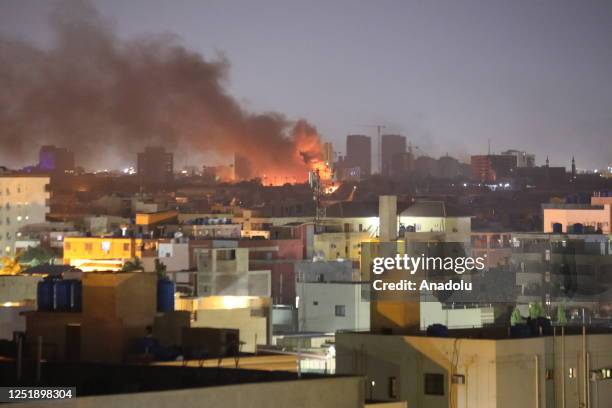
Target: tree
[
  {"x": 535, "y": 310},
  {"x": 37, "y": 255},
  {"x": 160, "y": 269},
  {"x": 561, "y": 317},
  {"x": 132, "y": 265},
  {"x": 515, "y": 317}
]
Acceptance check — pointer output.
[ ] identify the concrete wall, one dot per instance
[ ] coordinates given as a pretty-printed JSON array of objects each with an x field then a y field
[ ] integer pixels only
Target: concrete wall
[
  {"x": 11, "y": 321},
  {"x": 333, "y": 392},
  {"x": 586, "y": 217},
  {"x": 251, "y": 327},
  {"x": 408, "y": 359},
  {"x": 18, "y": 288},
  {"x": 174, "y": 255},
  {"x": 317, "y": 307},
  {"x": 498, "y": 373},
  {"x": 432, "y": 312}
]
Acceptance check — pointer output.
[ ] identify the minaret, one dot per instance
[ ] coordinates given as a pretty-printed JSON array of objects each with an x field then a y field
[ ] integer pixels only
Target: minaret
[
  {"x": 573, "y": 168},
  {"x": 547, "y": 162}
]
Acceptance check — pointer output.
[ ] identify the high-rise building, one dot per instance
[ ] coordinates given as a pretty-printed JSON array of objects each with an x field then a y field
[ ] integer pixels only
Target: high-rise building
[
  {"x": 391, "y": 145},
  {"x": 359, "y": 154},
  {"x": 523, "y": 159},
  {"x": 23, "y": 201},
  {"x": 492, "y": 167},
  {"x": 155, "y": 165},
  {"x": 55, "y": 159},
  {"x": 328, "y": 153},
  {"x": 242, "y": 168}
]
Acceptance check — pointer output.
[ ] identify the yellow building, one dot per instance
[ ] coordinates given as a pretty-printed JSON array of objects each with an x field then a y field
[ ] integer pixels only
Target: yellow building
[
  {"x": 148, "y": 219},
  {"x": 23, "y": 201},
  {"x": 106, "y": 253}
]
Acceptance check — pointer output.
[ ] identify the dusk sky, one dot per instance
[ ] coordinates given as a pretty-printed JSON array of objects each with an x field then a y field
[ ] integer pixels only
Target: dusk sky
[{"x": 528, "y": 75}]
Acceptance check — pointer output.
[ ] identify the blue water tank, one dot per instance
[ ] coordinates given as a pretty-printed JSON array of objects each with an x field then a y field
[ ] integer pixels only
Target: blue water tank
[
  {"x": 165, "y": 295},
  {"x": 63, "y": 290},
  {"x": 437, "y": 330},
  {"x": 76, "y": 305},
  {"x": 557, "y": 228},
  {"x": 44, "y": 295},
  {"x": 578, "y": 228}
]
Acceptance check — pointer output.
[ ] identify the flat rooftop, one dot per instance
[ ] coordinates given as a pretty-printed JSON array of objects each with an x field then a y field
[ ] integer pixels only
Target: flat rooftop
[
  {"x": 104, "y": 379},
  {"x": 490, "y": 333}
]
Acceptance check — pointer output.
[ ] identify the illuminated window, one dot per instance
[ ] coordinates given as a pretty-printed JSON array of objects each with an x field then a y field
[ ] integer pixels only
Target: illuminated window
[{"x": 106, "y": 246}]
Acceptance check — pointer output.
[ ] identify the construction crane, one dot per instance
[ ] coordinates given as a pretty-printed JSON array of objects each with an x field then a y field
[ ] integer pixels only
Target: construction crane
[{"x": 378, "y": 144}]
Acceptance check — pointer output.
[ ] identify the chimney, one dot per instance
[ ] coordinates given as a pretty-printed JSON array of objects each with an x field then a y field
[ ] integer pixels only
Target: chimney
[{"x": 387, "y": 214}]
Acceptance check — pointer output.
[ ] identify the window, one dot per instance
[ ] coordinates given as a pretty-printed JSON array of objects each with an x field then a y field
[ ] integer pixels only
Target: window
[
  {"x": 392, "y": 387},
  {"x": 315, "y": 303},
  {"x": 126, "y": 246},
  {"x": 88, "y": 246},
  {"x": 340, "y": 310},
  {"x": 67, "y": 246},
  {"x": 434, "y": 384}
]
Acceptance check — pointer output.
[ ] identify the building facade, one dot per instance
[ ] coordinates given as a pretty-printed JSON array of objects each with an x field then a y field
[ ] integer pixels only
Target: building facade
[{"x": 23, "y": 201}]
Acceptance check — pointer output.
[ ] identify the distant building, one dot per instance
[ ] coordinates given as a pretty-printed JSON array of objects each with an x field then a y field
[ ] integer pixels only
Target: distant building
[
  {"x": 108, "y": 253},
  {"x": 328, "y": 153},
  {"x": 359, "y": 154},
  {"x": 568, "y": 270},
  {"x": 23, "y": 201},
  {"x": 242, "y": 168},
  {"x": 523, "y": 159},
  {"x": 492, "y": 167},
  {"x": 402, "y": 164},
  {"x": 391, "y": 145},
  {"x": 155, "y": 165},
  {"x": 55, "y": 159}
]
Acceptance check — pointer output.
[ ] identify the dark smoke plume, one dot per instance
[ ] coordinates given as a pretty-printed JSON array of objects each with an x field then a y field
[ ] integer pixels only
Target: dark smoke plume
[{"x": 95, "y": 93}]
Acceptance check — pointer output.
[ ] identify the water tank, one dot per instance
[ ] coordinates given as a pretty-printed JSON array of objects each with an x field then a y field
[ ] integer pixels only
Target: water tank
[
  {"x": 557, "y": 228},
  {"x": 63, "y": 289},
  {"x": 165, "y": 295},
  {"x": 578, "y": 228},
  {"x": 44, "y": 295},
  {"x": 437, "y": 330},
  {"x": 76, "y": 305}
]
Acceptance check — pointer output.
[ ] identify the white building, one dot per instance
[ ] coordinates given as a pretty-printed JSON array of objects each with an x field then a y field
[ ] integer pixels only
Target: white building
[
  {"x": 462, "y": 371},
  {"x": 224, "y": 271},
  {"x": 330, "y": 306},
  {"x": 23, "y": 201},
  {"x": 435, "y": 216}
]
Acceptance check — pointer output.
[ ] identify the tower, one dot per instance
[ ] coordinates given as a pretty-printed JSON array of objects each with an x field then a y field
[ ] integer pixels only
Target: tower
[{"x": 573, "y": 168}]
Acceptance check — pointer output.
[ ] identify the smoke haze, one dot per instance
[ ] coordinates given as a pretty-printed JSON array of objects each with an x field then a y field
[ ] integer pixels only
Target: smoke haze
[{"x": 100, "y": 95}]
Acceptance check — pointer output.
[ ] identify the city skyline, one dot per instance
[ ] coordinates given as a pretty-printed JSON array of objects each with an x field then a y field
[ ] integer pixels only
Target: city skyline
[{"x": 537, "y": 85}]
